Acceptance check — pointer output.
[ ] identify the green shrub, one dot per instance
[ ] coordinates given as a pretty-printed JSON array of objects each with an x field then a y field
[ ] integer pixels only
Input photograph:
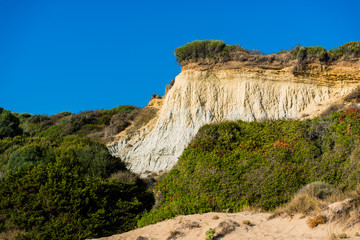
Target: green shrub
[
  {"x": 350, "y": 49},
  {"x": 30, "y": 154},
  {"x": 209, "y": 49},
  {"x": 209, "y": 235},
  {"x": 200, "y": 49},
  {"x": 9, "y": 124},
  {"x": 56, "y": 201},
  {"x": 120, "y": 109},
  {"x": 93, "y": 156}
]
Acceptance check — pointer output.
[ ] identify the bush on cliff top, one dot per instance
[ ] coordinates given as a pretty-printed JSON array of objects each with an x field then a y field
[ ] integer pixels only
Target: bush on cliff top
[
  {"x": 218, "y": 51},
  {"x": 207, "y": 49},
  {"x": 231, "y": 165}
]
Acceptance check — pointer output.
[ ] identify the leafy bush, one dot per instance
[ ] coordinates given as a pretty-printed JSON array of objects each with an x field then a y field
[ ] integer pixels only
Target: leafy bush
[
  {"x": 233, "y": 165},
  {"x": 30, "y": 154},
  {"x": 213, "y": 50},
  {"x": 350, "y": 49},
  {"x": 93, "y": 156},
  {"x": 311, "y": 51},
  {"x": 200, "y": 49},
  {"x": 9, "y": 124},
  {"x": 209, "y": 235},
  {"x": 56, "y": 201}
]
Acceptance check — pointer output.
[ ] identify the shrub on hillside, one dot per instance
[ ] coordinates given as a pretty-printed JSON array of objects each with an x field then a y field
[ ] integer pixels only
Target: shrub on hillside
[
  {"x": 232, "y": 165},
  {"x": 9, "y": 124},
  {"x": 87, "y": 123},
  {"x": 56, "y": 201},
  {"x": 93, "y": 156}
]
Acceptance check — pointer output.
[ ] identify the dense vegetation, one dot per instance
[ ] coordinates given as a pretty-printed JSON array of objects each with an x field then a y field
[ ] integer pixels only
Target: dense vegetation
[
  {"x": 57, "y": 183},
  {"x": 232, "y": 165},
  {"x": 9, "y": 124},
  {"x": 57, "y": 201},
  {"x": 98, "y": 124},
  {"x": 218, "y": 51},
  {"x": 209, "y": 49}
]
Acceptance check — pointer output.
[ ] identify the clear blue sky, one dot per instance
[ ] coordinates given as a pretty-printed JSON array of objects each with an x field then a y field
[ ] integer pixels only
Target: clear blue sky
[{"x": 86, "y": 55}]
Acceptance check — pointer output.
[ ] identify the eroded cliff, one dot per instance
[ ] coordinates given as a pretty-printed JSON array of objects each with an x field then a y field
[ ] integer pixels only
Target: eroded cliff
[{"x": 232, "y": 91}]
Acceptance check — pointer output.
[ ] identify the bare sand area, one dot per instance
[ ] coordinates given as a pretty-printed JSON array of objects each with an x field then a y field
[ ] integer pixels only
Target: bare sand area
[{"x": 239, "y": 226}]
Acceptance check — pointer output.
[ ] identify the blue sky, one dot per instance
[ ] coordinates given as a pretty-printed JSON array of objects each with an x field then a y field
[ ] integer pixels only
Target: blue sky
[{"x": 85, "y": 55}]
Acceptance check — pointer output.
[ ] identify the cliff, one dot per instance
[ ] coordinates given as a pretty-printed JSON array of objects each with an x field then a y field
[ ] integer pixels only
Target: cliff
[{"x": 206, "y": 93}]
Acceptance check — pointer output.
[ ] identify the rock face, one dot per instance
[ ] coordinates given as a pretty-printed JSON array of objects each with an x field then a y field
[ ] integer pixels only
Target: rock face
[{"x": 200, "y": 96}]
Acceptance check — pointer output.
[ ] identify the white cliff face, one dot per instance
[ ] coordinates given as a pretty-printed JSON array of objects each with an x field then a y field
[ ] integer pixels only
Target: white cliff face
[{"x": 200, "y": 97}]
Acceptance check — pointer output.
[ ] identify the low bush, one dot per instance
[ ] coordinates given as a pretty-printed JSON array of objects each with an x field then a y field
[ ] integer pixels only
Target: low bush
[
  {"x": 209, "y": 235},
  {"x": 9, "y": 124},
  {"x": 212, "y": 50},
  {"x": 92, "y": 155}
]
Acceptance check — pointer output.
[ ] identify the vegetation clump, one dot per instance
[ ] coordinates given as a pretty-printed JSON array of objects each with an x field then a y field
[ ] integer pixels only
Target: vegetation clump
[
  {"x": 99, "y": 124},
  {"x": 209, "y": 235},
  {"x": 56, "y": 201},
  {"x": 214, "y": 51},
  {"x": 311, "y": 198},
  {"x": 57, "y": 183},
  {"x": 236, "y": 165},
  {"x": 9, "y": 124}
]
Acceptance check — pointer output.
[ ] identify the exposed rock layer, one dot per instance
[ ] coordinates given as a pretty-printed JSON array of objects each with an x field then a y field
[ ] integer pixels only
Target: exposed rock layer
[{"x": 205, "y": 95}]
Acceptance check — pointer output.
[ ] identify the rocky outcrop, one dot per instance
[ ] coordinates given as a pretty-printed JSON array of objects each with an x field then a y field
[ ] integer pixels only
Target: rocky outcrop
[{"x": 203, "y": 95}]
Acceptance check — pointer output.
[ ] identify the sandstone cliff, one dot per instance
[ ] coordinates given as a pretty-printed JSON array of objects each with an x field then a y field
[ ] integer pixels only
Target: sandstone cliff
[{"x": 233, "y": 91}]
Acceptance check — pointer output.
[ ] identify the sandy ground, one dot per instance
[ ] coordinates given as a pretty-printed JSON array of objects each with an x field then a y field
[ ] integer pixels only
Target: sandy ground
[{"x": 194, "y": 227}]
